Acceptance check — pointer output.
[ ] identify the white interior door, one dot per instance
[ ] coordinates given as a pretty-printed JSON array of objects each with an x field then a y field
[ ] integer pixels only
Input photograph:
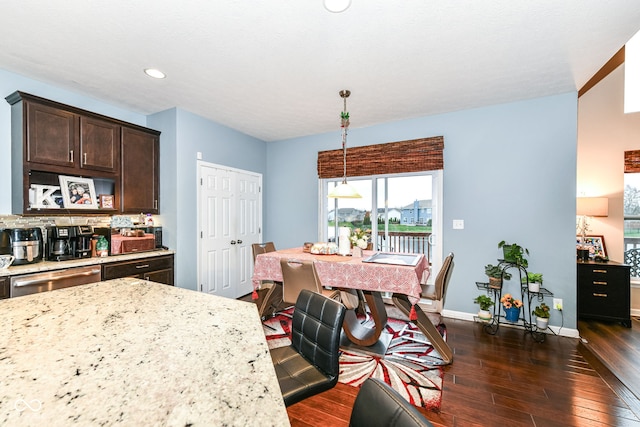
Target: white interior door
[
  {"x": 230, "y": 222},
  {"x": 248, "y": 228}
]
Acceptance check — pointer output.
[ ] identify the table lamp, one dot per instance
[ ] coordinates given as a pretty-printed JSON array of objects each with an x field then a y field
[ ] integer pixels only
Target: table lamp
[{"x": 589, "y": 207}]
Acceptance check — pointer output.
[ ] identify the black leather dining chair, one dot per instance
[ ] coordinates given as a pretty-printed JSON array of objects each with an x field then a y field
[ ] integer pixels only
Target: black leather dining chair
[
  {"x": 378, "y": 405},
  {"x": 310, "y": 365}
]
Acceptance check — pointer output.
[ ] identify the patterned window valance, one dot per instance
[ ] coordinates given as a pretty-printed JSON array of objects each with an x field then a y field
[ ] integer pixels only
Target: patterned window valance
[{"x": 394, "y": 157}]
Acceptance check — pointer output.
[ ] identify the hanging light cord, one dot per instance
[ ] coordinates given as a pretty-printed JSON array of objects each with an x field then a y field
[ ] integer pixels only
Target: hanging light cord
[{"x": 344, "y": 123}]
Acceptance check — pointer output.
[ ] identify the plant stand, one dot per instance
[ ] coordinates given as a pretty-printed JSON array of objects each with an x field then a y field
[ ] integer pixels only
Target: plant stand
[{"x": 524, "y": 321}]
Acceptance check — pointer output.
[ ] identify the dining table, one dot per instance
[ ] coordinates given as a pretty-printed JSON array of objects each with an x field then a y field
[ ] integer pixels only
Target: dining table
[{"x": 369, "y": 279}]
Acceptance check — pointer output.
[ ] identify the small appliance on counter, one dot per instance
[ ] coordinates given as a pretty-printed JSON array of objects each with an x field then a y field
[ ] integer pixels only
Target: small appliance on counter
[
  {"x": 69, "y": 242},
  {"x": 25, "y": 244}
]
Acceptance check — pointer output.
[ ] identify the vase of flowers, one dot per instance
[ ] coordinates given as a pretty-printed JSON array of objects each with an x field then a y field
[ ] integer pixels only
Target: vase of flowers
[
  {"x": 511, "y": 307},
  {"x": 360, "y": 238}
]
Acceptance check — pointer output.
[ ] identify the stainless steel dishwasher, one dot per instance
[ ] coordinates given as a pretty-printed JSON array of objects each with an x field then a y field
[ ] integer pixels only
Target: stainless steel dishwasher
[{"x": 27, "y": 284}]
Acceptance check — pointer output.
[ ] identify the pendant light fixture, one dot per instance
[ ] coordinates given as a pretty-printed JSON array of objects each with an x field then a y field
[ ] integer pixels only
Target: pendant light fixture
[{"x": 344, "y": 190}]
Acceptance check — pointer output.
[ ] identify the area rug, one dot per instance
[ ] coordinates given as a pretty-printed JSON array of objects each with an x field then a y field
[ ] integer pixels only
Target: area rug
[{"x": 413, "y": 369}]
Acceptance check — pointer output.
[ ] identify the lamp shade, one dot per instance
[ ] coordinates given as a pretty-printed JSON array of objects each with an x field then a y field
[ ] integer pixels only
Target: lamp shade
[
  {"x": 344, "y": 191},
  {"x": 592, "y": 206}
]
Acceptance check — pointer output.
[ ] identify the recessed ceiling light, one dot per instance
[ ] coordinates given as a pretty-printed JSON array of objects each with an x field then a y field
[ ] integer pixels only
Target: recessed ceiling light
[
  {"x": 337, "y": 6},
  {"x": 156, "y": 74}
]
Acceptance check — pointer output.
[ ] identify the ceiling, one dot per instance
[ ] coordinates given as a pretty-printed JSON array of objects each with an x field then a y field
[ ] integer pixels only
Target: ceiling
[{"x": 273, "y": 69}]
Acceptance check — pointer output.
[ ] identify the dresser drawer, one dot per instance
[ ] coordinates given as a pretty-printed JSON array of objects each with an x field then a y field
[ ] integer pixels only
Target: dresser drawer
[{"x": 120, "y": 269}]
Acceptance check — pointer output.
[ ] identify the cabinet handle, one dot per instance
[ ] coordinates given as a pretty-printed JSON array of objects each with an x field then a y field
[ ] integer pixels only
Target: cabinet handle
[
  {"x": 600, "y": 295},
  {"x": 71, "y": 156},
  {"x": 155, "y": 204},
  {"x": 84, "y": 158},
  {"x": 600, "y": 283},
  {"x": 142, "y": 266},
  {"x": 600, "y": 271}
]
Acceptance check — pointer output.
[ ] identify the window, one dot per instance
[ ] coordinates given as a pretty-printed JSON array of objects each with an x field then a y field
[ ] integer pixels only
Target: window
[{"x": 401, "y": 210}]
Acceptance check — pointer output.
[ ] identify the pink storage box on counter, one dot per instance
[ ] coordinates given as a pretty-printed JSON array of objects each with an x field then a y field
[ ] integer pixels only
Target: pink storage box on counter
[{"x": 125, "y": 245}]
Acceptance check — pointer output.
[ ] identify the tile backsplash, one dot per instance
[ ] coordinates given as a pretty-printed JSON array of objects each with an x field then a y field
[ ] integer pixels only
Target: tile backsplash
[{"x": 18, "y": 221}]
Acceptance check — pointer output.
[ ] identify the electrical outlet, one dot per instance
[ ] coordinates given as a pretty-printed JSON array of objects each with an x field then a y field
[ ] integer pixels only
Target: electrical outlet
[{"x": 557, "y": 303}]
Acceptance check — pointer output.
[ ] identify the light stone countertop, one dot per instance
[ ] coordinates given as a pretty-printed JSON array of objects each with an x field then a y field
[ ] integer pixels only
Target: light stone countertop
[
  {"x": 41, "y": 266},
  {"x": 132, "y": 352}
]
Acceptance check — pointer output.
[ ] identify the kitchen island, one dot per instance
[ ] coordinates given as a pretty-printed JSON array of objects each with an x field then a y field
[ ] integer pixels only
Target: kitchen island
[{"x": 134, "y": 352}]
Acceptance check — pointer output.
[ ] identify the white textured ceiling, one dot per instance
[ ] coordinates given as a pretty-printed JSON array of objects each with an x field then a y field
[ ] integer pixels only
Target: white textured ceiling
[{"x": 273, "y": 68}]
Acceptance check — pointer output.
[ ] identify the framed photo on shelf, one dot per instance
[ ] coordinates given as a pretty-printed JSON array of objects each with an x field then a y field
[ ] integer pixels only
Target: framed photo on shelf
[
  {"x": 595, "y": 244},
  {"x": 106, "y": 201},
  {"x": 78, "y": 193}
]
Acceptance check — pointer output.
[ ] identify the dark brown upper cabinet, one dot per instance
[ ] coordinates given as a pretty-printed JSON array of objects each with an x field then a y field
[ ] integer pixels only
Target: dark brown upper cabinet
[
  {"x": 99, "y": 145},
  {"x": 140, "y": 178},
  {"x": 50, "y": 139}
]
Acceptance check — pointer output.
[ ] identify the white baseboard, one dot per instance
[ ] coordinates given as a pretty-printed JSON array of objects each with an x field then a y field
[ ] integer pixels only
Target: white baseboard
[{"x": 460, "y": 315}]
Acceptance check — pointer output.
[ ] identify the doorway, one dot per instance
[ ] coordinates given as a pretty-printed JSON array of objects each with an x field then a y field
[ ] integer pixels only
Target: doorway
[{"x": 229, "y": 222}]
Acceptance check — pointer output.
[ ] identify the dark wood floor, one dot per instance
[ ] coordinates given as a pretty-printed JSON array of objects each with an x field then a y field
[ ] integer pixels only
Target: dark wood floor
[{"x": 508, "y": 379}]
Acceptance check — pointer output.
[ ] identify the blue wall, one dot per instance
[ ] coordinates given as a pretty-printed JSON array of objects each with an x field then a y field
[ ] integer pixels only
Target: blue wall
[{"x": 510, "y": 174}]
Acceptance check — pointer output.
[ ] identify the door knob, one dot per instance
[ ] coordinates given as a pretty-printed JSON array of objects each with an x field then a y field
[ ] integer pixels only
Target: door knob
[
  {"x": 233, "y": 242},
  {"x": 239, "y": 242}
]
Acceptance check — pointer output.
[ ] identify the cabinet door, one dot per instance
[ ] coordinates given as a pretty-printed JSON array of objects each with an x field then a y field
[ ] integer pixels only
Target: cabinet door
[
  {"x": 4, "y": 287},
  {"x": 99, "y": 144},
  {"x": 51, "y": 135},
  {"x": 140, "y": 171},
  {"x": 160, "y": 276}
]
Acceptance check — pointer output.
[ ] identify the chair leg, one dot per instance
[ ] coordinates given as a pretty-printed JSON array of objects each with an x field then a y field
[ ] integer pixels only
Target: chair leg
[{"x": 426, "y": 327}]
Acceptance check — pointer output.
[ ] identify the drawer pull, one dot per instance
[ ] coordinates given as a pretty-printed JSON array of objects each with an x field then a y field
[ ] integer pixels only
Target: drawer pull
[
  {"x": 142, "y": 266},
  {"x": 600, "y": 295},
  {"x": 600, "y": 271},
  {"x": 600, "y": 283}
]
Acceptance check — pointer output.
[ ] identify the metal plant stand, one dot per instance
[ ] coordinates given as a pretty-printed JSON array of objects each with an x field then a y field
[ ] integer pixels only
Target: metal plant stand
[{"x": 524, "y": 321}]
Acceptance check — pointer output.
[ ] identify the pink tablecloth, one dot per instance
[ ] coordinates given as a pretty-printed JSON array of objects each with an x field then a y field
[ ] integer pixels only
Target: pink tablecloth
[{"x": 347, "y": 272}]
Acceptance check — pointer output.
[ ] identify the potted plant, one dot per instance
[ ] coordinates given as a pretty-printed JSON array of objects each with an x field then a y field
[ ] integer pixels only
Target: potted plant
[
  {"x": 496, "y": 275},
  {"x": 485, "y": 303},
  {"x": 534, "y": 281},
  {"x": 542, "y": 313},
  {"x": 511, "y": 307},
  {"x": 514, "y": 253}
]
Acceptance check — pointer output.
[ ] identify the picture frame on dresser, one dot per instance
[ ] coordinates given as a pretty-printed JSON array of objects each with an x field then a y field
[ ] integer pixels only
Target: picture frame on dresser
[
  {"x": 78, "y": 193},
  {"x": 595, "y": 244}
]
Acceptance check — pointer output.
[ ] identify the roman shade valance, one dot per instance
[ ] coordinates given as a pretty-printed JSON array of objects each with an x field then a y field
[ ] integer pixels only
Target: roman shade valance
[
  {"x": 632, "y": 161},
  {"x": 414, "y": 155}
]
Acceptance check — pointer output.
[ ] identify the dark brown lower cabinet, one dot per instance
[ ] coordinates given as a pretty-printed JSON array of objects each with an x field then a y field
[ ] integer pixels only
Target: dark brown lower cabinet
[
  {"x": 156, "y": 269},
  {"x": 4, "y": 287}
]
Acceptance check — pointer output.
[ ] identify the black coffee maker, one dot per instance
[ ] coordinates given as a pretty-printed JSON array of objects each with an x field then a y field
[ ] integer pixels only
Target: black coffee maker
[{"x": 69, "y": 242}]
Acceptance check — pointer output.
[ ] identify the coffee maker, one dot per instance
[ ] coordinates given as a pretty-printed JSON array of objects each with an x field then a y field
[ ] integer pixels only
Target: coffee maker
[{"x": 69, "y": 242}]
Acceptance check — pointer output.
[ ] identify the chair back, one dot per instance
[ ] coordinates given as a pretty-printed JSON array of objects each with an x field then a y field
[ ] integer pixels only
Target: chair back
[
  {"x": 262, "y": 248},
  {"x": 378, "y": 405},
  {"x": 296, "y": 276},
  {"x": 442, "y": 279},
  {"x": 315, "y": 331}
]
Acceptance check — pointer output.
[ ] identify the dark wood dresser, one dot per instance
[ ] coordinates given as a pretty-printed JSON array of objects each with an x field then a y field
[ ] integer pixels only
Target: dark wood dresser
[{"x": 604, "y": 291}]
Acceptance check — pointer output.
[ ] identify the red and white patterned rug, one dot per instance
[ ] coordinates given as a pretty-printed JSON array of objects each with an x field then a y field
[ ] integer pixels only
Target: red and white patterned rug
[{"x": 413, "y": 369}]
